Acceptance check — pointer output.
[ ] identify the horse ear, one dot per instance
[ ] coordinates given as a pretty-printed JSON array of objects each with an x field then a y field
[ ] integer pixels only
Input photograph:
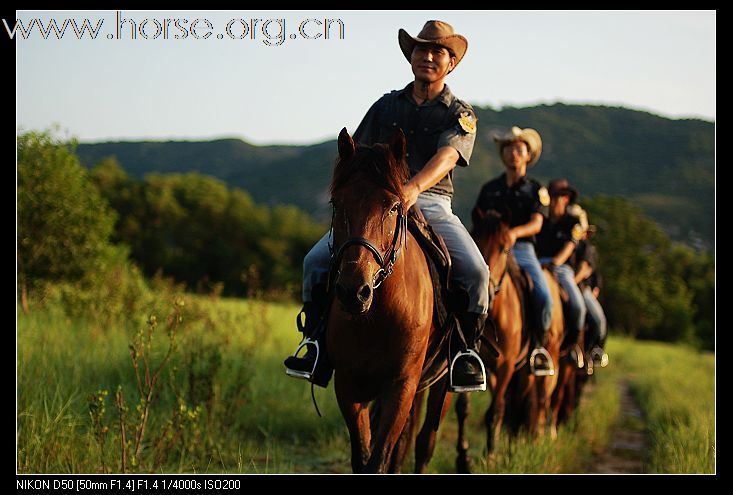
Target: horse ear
[
  {"x": 346, "y": 145},
  {"x": 477, "y": 214},
  {"x": 398, "y": 146}
]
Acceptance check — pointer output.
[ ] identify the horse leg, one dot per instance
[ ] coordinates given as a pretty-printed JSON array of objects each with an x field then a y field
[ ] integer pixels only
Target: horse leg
[
  {"x": 545, "y": 409},
  {"x": 542, "y": 404},
  {"x": 394, "y": 408},
  {"x": 494, "y": 418},
  {"x": 559, "y": 397},
  {"x": 463, "y": 463},
  {"x": 356, "y": 416},
  {"x": 405, "y": 440},
  {"x": 568, "y": 405},
  {"x": 572, "y": 398},
  {"x": 438, "y": 404}
]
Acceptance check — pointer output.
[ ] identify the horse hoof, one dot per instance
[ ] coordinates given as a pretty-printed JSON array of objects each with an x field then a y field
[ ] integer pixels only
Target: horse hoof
[{"x": 463, "y": 465}]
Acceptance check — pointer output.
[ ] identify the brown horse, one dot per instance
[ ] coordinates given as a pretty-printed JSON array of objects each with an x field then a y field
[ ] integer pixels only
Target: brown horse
[
  {"x": 545, "y": 385},
  {"x": 505, "y": 330},
  {"x": 489, "y": 230},
  {"x": 380, "y": 325},
  {"x": 566, "y": 395}
]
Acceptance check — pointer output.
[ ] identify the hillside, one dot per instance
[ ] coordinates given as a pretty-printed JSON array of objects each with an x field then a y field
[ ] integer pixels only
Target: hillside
[{"x": 665, "y": 166}]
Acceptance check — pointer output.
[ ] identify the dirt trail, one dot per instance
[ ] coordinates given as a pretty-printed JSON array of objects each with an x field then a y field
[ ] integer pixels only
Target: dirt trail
[{"x": 629, "y": 443}]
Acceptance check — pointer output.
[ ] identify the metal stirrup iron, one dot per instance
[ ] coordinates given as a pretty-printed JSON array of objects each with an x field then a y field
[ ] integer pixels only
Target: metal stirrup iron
[
  {"x": 468, "y": 388},
  {"x": 543, "y": 352},
  {"x": 306, "y": 375}
]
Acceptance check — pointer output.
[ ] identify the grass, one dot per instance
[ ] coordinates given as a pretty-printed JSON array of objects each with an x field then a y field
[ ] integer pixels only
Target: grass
[
  {"x": 675, "y": 388},
  {"x": 252, "y": 418}
]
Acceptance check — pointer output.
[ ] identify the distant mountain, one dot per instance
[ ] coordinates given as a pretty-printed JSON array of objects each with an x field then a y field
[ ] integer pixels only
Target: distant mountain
[{"x": 665, "y": 166}]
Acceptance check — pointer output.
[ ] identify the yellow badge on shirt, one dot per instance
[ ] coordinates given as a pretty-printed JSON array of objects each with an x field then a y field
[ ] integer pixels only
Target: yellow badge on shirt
[
  {"x": 577, "y": 232},
  {"x": 544, "y": 196},
  {"x": 468, "y": 122}
]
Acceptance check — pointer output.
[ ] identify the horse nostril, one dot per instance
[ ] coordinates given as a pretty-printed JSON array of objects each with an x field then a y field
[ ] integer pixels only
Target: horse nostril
[{"x": 364, "y": 293}]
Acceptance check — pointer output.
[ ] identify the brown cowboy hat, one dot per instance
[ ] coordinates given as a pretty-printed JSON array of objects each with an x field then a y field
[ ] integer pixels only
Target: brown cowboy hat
[
  {"x": 529, "y": 136},
  {"x": 560, "y": 187},
  {"x": 434, "y": 33}
]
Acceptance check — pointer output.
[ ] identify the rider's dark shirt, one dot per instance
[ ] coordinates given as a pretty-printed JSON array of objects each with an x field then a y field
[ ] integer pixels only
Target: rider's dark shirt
[
  {"x": 555, "y": 235},
  {"x": 522, "y": 199},
  {"x": 427, "y": 127}
]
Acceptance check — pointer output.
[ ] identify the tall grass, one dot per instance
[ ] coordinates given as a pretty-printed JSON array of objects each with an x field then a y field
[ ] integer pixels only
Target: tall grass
[
  {"x": 675, "y": 388},
  {"x": 587, "y": 432},
  {"x": 226, "y": 405}
]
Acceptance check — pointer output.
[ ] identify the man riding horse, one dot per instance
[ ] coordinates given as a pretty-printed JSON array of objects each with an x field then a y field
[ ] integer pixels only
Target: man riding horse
[
  {"x": 556, "y": 242},
  {"x": 440, "y": 131},
  {"x": 526, "y": 201}
]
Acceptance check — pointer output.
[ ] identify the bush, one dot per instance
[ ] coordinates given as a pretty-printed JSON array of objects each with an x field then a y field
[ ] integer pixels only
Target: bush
[{"x": 64, "y": 229}]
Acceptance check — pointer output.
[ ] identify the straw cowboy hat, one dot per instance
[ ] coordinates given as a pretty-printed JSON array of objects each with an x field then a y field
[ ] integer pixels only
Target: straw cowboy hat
[
  {"x": 529, "y": 136},
  {"x": 435, "y": 33},
  {"x": 559, "y": 187}
]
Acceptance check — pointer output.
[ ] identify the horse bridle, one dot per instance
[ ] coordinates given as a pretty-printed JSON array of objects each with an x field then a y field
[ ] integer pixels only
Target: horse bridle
[
  {"x": 385, "y": 262},
  {"x": 497, "y": 287}
]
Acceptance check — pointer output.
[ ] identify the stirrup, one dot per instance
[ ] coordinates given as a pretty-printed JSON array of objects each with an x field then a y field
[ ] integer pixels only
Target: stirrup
[
  {"x": 547, "y": 372},
  {"x": 306, "y": 375},
  {"x": 467, "y": 388},
  {"x": 576, "y": 356},
  {"x": 589, "y": 367},
  {"x": 599, "y": 357}
]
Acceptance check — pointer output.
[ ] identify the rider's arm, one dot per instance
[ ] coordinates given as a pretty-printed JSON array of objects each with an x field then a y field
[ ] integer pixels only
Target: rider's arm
[
  {"x": 584, "y": 271},
  {"x": 527, "y": 229},
  {"x": 564, "y": 254},
  {"x": 442, "y": 162}
]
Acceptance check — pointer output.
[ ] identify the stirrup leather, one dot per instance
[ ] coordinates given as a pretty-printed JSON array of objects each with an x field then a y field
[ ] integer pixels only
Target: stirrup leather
[
  {"x": 306, "y": 375},
  {"x": 467, "y": 388},
  {"x": 543, "y": 351}
]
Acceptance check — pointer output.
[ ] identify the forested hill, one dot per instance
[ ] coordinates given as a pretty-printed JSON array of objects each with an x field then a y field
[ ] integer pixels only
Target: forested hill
[{"x": 665, "y": 166}]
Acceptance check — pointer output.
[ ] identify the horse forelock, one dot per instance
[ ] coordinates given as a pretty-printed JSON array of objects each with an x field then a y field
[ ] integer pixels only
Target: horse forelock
[{"x": 374, "y": 165}]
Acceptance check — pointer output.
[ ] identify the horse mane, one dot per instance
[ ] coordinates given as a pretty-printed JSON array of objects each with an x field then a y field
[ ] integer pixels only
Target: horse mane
[{"x": 375, "y": 164}]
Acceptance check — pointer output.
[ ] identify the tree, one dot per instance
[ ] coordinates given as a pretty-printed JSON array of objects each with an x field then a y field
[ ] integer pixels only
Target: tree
[
  {"x": 653, "y": 288},
  {"x": 64, "y": 224}
]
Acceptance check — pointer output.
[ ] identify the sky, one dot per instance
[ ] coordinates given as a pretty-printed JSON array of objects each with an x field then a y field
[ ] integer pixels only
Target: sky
[{"x": 274, "y": 77}]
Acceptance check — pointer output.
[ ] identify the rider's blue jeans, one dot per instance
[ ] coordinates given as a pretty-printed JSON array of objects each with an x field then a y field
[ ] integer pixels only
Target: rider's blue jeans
[{"x": 542, "y": 300}]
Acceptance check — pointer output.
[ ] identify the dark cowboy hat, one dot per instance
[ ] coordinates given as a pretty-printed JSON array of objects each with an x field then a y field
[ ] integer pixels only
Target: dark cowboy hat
[
  {"x": 560, "y": 187},
  {"x": 434, "y": 33}
]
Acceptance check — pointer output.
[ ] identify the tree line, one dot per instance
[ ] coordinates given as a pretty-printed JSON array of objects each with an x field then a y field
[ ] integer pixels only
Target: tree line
[{"x": 100, "y": 238}]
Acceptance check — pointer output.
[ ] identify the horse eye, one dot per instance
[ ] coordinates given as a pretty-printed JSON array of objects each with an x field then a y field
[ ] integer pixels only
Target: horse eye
[{"x": 395, "y": 207}]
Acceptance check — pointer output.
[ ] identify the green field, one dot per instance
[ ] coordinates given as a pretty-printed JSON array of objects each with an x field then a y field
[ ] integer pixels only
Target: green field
[{"x": 224, "y": 404}]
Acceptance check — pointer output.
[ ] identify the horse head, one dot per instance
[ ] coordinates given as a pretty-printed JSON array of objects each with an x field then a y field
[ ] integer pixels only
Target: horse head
[
  {"x": 369, "y": 220},
  {"x": 489, "y": 230}
]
